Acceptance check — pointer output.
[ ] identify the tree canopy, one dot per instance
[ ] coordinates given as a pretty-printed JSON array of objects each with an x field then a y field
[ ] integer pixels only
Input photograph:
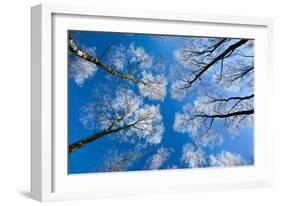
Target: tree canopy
[{"x": 139, "y": 101}]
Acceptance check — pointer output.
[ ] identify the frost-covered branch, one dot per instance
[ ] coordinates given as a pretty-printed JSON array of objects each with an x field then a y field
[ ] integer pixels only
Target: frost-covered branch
[
  {"x": 226, "y": 159},
  {"x": 126, "y": 114},
  {"x": 132, "y": 64},
  {"x": 159, "y": 158},
  {"x": 193, "y": 157},
  {"x": 229, "y": 61},
  {"x": 116, "y": 161},
  {"x": 199, "y": 118}
]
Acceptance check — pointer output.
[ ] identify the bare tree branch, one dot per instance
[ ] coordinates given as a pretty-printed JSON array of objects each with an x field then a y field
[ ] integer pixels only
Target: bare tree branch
[
  {"x": 245, "y": 112},
  {"x": 138, "y": 69},
  {"x": 227, "y": 52},
  {"x": 124, "y": 114}
]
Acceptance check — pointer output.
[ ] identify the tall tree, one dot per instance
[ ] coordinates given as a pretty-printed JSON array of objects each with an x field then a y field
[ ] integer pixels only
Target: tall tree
[
  {"x": 130, "y": 63},
  {"x": 125, "y": 115},
  {"x": 205, "y": 118},
  {"x": 218, "y": 73}
]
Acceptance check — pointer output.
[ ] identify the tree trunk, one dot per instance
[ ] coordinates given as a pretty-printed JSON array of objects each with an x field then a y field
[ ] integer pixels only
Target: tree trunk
[
  {"x": 81, "y": 143},
  {"x": 86, "y": 56}
]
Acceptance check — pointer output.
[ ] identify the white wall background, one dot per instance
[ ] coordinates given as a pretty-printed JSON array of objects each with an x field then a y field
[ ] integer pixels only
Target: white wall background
[{"x": 15, "y": 101}]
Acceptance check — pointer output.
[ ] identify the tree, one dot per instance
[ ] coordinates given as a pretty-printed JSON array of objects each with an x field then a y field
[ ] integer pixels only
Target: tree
[
  {"x": 231, "y": 59},
  {"x": 226, "y": 158},
  {"x": 129, "y": 63},
  {"x": 157, "y": 160},
  {"x": 193, "y": 158},
  {"x": 223, "y": 68},
  {"x": 125, "y": 115},
  {"x": 207, "y": 115},
  {"x": 121, "y": 161}
]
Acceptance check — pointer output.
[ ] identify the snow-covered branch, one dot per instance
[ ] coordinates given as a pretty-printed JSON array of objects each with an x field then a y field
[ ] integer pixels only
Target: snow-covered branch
[
  {"x": 229, "y": 61},
  {"x": 199, "y": 118},
  {"x": 129, "y": 63},
  {"x": 125, "y": 114}
]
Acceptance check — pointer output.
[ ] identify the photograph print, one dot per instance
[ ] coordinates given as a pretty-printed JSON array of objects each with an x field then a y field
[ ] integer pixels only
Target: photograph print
[{"x": 140, "y": 102}]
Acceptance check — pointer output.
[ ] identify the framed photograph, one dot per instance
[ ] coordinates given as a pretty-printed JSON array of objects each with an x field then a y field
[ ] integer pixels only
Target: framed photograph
[{"x": 135, "y": 102}]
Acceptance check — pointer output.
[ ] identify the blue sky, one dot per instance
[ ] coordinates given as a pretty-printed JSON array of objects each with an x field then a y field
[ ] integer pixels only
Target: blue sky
[{"x": 93, "y": 157}]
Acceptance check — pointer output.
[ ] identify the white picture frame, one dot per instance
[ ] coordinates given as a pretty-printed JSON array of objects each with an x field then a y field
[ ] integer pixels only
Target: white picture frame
[{"x": 49, "y": 179}]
